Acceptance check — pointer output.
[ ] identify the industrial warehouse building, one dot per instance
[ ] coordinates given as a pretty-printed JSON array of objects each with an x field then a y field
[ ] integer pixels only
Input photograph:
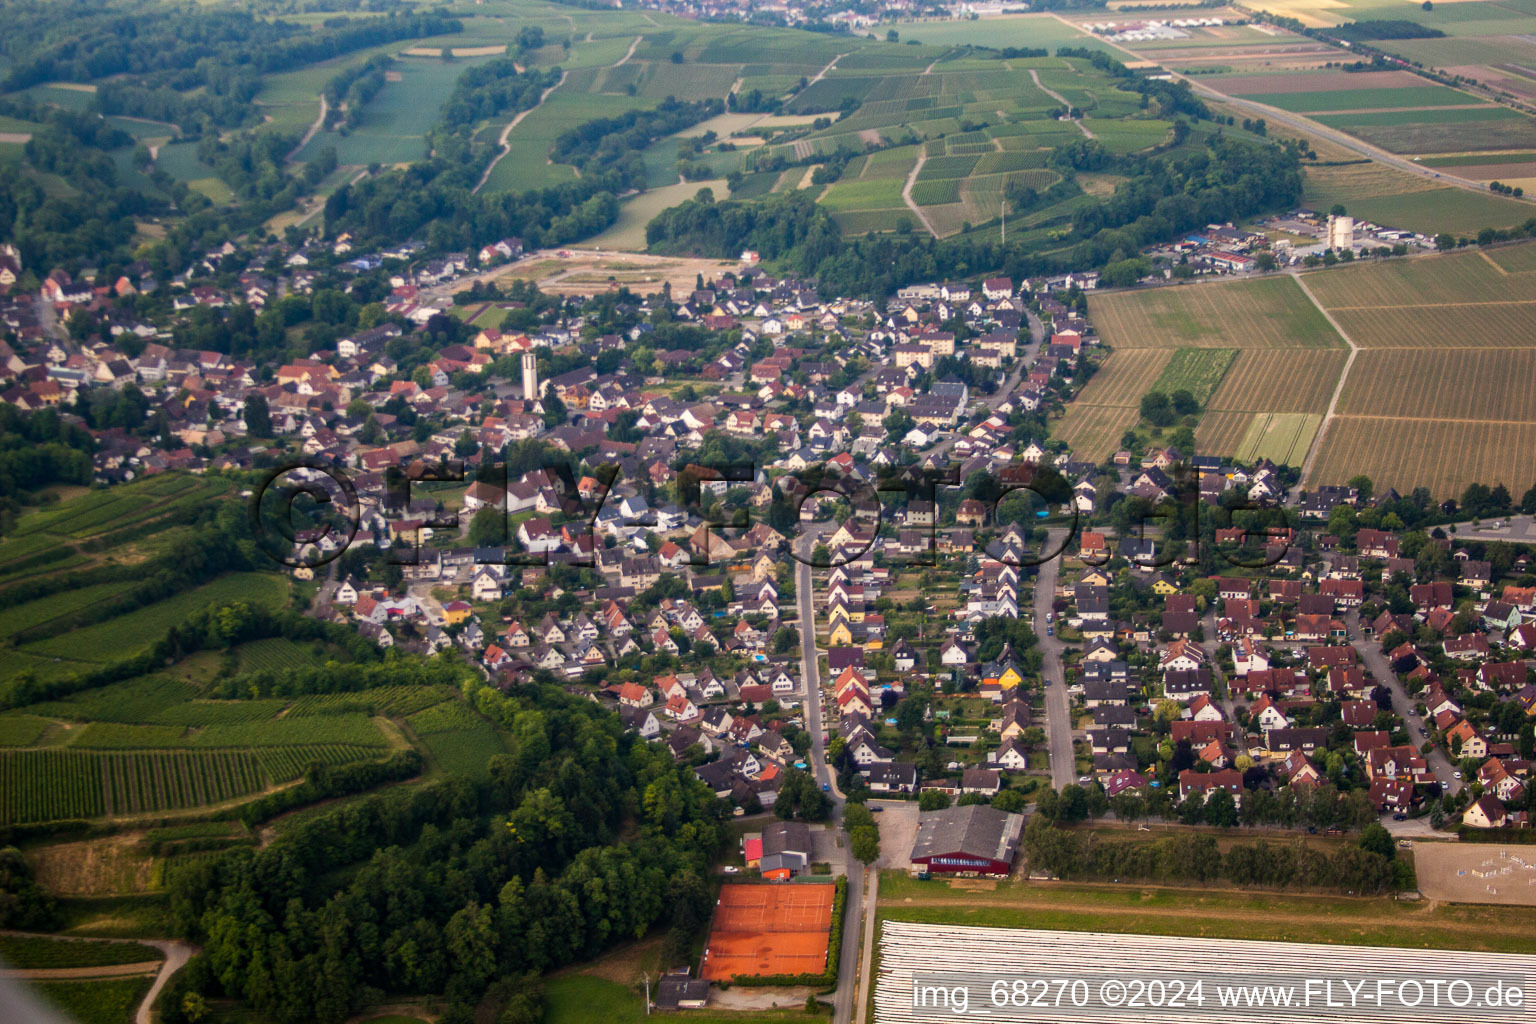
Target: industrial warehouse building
[{"x": 971, "y": 840}]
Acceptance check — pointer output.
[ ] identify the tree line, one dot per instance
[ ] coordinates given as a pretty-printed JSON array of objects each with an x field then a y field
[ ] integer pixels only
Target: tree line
[{"x": 1368, "y": 866}]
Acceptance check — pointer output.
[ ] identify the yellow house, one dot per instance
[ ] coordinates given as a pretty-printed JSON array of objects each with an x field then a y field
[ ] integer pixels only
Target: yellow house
[
  {"x": 1095, "y": 578},
  {"x": 841, "y": 635},
  {"x": 1010, "y": 678},
  {"x": 456, "y": 612},
  {"x": 1164, "y": 586}
]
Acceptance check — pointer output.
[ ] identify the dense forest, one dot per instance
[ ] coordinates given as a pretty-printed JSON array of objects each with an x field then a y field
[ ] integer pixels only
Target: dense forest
[{"x": 583, "y": 836}]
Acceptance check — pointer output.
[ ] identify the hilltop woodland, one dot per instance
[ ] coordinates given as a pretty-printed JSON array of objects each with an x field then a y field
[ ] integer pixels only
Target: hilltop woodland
[
  {"x": 199, "y": 68},
  {"x": 582, "y": 837},
  {"x": 1226, "y": 179}
]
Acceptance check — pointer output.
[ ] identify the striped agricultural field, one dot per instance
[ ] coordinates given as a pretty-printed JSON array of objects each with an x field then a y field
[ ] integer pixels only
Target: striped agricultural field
[
  {"x": 1094, "y": 431},
  {"x": 1279, "y": 380},
  {"x": 1451, "y": 383},
  {"x": 915, "y": 959},
  {"x": 1443, "y": 455},
  {"x": 1266, "y": 312},
  {"x": 1124, "y": 376}
]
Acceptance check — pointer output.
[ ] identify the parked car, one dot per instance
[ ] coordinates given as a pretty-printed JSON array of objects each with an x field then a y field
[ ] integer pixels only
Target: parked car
[
  {"x": 1399, "y": 816},
  {"x": 826, "y": 787},
  {"x": 731, "y": 869}
]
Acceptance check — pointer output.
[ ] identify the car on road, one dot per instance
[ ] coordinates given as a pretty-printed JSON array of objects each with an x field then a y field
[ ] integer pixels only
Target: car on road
[
  {"x": 877, "y": 809},
  {"x": 826, "y": 787},
  {"x": 1083, "y": 780},
  {"x": 1423, "y": 731},
  {"x": 731, "y": 869},
  {"x": 1455, "y": 775},
  {"x": 1399, "y": 816},
  {"x": 1050, "y": 630}
]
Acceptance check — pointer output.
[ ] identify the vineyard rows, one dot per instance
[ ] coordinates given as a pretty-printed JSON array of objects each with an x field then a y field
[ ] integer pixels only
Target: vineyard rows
[
  {"x": 48, "y": 785},
  {"x": 353, "y": 728},
  {"x": 391, "y": 700},
  {"x": 284, "y": 763}
]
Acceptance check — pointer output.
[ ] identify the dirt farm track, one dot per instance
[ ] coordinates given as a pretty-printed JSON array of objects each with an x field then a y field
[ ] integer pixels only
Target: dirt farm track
[{"x": 1477, "y": 872}]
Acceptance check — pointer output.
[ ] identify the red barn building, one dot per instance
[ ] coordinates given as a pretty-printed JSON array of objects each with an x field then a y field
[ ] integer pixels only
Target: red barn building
[{"x": 971, "y": 840}]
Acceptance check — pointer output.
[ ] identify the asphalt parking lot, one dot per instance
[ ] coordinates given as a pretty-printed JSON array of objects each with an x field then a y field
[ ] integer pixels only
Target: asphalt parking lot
[
  {"x": 824, "y": 849},
  {"x": 898, "y": 828}
]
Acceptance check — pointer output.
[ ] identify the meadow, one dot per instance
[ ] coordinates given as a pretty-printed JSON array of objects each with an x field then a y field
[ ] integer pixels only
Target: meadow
[
  {"x": 1268, "y": 312},
  {"x": 1196, "y": 370}
]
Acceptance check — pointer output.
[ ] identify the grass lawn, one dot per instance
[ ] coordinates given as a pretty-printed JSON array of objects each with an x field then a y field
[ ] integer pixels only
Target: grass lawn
[
  {"x": 628, "y": 232},
  {"x": 584, "y": 999}
]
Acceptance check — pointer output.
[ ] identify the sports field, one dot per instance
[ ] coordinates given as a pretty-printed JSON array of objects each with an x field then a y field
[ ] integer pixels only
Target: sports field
[
  {"x": 1476, "y": 872},
  {"x": 769, "y": 929}
]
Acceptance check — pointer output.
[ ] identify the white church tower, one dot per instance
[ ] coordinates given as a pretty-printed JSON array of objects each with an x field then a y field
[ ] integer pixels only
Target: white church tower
[{"x": 530, "y": 377}]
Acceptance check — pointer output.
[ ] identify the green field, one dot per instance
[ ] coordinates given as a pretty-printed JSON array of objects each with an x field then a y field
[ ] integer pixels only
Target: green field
[
  {"x": 134, "y": 632},
  {"x": 628, "y": 232},
  {"x": 1019, "y": 30},
  {"x": 586, "y": 999},
  {"x": 51, "y": 784},
  {"x": 394, "y": 123},
  {"x": 36, "y": 952},
  {"x": 1457, "y": 210},
  {"x": 1365, "y": 99},
  {"x": 1283, "y": 438},
  {"x": 103, "y": 1001},
  {"x": 1196, "y": 370},
  {"x": 457, "y": 739},
  {"x": 1394, "y": 118}
]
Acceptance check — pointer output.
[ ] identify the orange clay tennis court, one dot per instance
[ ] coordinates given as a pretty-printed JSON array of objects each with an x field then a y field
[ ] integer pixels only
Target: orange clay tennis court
[{"x": 769, "y": 929}]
